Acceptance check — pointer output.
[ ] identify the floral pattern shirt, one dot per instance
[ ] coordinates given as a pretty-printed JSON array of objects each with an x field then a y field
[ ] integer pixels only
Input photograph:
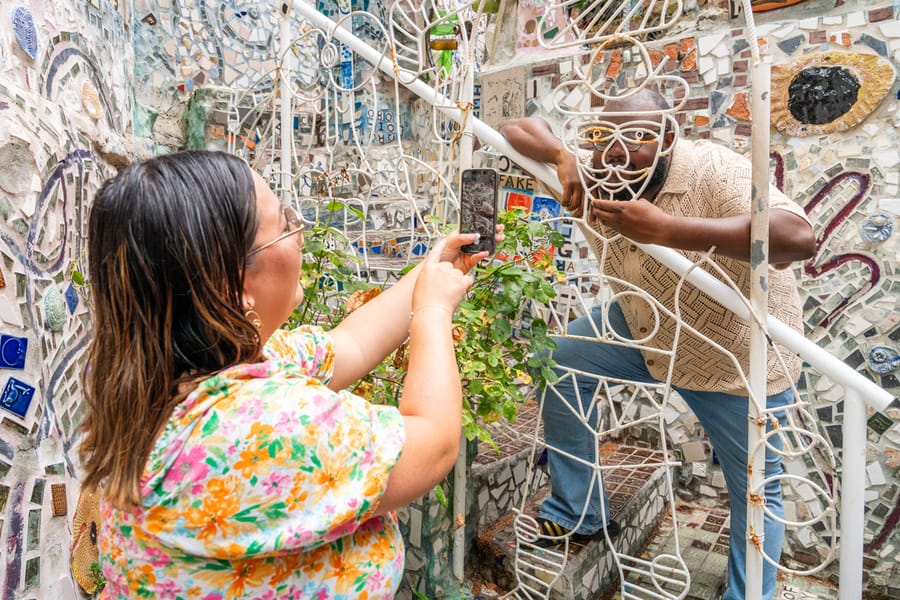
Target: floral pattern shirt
[{"x": 262, "y": 485}]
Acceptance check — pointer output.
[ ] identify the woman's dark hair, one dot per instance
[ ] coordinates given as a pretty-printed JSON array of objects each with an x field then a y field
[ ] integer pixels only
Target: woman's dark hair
[{"x": 167, "y": 246}]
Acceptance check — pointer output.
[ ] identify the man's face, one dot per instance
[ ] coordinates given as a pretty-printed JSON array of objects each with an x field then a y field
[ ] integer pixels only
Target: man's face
[{"x": 626, "y": 158}]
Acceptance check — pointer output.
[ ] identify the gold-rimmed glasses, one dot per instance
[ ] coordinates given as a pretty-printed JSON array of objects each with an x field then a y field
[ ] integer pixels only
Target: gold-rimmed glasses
[{"x": 293, "y": 225}]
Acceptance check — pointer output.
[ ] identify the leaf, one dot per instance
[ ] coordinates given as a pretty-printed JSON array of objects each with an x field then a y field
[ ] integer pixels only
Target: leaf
[
  {"x": 500, "y": 330},
  {"x": 440, "y": 495}
]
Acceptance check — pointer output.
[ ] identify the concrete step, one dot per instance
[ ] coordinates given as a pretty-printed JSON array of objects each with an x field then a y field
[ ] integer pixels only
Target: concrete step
[{"x": 637, "y": 490}]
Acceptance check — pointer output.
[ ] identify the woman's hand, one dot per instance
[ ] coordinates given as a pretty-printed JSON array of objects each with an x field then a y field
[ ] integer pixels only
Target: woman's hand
[
  {"x": 441, "y": 284},
  {"x": 465, "y": 262}
]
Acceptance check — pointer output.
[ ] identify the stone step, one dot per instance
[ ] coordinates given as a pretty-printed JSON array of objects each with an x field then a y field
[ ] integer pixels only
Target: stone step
[{"x": 638, "y": 497}]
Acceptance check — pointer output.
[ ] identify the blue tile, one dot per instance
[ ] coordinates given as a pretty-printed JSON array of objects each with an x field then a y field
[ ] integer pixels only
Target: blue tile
[
  {"x": 26, "y": 34},
  {"x": 789, "y": 45},
  {"x": 12, "y": 351},
  {"x": 877, "y": 228},
  {"x": 16, "y": 397},
  {"x": 71, "y": 298},
  {"x": 883, "y": 359},
  {"x": 875, "y": 44}
]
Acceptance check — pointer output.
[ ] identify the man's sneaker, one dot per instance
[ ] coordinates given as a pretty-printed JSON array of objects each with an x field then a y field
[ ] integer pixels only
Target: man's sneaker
[{"x": 548, "y": 529}]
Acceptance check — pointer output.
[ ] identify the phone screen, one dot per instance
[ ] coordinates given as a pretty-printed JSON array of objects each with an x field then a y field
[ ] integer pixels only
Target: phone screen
[{"x": 478, "y": 208}]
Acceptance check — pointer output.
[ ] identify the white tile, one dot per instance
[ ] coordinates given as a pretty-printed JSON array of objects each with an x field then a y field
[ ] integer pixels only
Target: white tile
[
  {"x": 890, "y": 29},
  {"x": 856, "y": 19},
  {"x": 10, "y": 313},
  {"x": 706, "y": 43},
  {"x": 891, "y": 205},
  {"x": 811, "y": 23},
  {"x": 875, "y": 474},
  {"x": 693, "y": 452}
]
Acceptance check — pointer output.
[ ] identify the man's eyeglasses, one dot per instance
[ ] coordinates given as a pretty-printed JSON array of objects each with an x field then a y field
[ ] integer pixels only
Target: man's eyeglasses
[
  {"x": 294, "y": 225},
  {"x": 632, "y": 136}
]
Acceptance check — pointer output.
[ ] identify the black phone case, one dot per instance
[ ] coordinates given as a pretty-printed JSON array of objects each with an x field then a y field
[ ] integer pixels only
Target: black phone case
[{"x": 478, "y": 208}]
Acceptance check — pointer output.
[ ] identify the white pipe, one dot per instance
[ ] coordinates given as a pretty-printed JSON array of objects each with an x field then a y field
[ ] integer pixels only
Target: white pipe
[
  {"x": 759, "y": 300},
  {"x": 467, "y": 96},
  {"x": 853, "y": 490},
  {"x": 287, "y": 119}
]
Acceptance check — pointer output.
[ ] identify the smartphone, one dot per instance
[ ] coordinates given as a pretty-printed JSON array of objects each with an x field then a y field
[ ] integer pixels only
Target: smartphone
[{"x": 478, "y": 208}]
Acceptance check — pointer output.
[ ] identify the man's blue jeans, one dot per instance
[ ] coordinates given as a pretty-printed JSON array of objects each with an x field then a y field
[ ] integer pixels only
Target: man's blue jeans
[{"x": 724, "y": 417}]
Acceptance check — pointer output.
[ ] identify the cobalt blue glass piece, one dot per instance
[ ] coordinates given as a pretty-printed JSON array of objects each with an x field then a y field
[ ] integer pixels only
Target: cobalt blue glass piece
[
  {"x": 17, "y": 397},
  {"x": 877, "y": 228},
  {"x": 71, "y": 298},
  {"x": 883, "y": 359},
  {"x": 12, "y": 351},
  {"x": 26, "y": 34}
]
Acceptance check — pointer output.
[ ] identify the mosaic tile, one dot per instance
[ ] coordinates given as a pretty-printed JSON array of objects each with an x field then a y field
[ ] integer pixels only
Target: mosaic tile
[
  {"x": 883, "y": 359},
  {"x": 32, "y": 572},
  {"x": 16, "y": 397},
  {"x": 37, "y": 492},
  {"x": 25, "y": 31},
  {"x": 13, "y": 351}
]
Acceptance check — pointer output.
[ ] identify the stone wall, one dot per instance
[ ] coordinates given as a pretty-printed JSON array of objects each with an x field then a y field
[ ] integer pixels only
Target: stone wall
[{"x": 65, "y": 117}]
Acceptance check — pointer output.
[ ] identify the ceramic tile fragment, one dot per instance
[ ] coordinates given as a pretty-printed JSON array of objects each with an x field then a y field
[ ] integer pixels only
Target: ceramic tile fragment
[
  {"x": 13, "y": 351},
  {"x": 59, "y": 502},
  {"x": 25, "y": 31},
  {"x": 16, "y": 397}
]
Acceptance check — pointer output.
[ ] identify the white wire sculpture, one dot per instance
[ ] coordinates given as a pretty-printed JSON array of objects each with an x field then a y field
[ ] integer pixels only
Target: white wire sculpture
[{"x": 372, "y": 161}]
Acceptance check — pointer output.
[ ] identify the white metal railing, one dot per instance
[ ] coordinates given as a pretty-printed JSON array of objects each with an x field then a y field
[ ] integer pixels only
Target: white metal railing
[{"x": 860, "y": 391}]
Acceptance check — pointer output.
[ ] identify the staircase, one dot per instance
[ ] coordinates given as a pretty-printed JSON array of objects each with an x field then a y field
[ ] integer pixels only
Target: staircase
[{"x": 637, "y": 497}]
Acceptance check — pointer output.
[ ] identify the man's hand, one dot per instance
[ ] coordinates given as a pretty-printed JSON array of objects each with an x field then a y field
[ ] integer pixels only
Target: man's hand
[
  {"x": 638, "y": 220},
  {"x": 572, "y": 190},
  {"x": 535, "y": 139}
]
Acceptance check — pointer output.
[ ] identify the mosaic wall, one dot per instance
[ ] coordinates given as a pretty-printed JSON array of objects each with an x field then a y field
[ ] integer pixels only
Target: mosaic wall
[
  {"x": 65, "y": 106},
  {"x": 66, "y": 118}
]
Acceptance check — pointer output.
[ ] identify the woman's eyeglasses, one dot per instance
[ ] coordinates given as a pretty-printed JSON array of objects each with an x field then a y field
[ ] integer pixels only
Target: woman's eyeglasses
[{"x": 294, "y": 225}]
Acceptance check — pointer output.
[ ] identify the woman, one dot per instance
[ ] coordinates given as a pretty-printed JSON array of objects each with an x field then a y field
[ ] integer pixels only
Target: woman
[{"x": 231, "y": 461}]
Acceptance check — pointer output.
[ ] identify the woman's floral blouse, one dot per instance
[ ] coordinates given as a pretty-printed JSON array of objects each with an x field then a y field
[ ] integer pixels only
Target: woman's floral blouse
[{"x": 262, "y": 485}]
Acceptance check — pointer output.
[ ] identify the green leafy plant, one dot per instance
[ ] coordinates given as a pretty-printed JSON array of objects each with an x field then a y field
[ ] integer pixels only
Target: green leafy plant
[
  {"x": 328, "y": 274},
  {"x": 502, "y": 344},
  {"x": 96, "y": 572}
]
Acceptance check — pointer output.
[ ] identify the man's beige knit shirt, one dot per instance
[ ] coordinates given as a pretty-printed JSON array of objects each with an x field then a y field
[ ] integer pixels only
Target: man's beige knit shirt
[{"x": 704, "y": 180}]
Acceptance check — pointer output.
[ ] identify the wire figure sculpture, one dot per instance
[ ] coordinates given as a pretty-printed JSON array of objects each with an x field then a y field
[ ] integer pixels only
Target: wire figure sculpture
[{"x": 369, "y": 159}]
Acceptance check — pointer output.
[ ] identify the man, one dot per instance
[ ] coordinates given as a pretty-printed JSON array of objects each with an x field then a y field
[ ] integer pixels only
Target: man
[{"x": 642, "y": 185}]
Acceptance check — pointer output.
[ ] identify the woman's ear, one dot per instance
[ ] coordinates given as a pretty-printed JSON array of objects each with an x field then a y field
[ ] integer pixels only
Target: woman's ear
[{"x": 247, "y": 302}]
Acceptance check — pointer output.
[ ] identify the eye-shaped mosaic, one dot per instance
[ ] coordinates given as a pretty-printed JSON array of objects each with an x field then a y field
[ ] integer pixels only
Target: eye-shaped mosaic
[{"x": 828, "y": 92}]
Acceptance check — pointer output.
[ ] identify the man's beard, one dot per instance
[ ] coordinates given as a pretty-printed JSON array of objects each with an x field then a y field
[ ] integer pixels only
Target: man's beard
[{"x": 657, "y": 178}]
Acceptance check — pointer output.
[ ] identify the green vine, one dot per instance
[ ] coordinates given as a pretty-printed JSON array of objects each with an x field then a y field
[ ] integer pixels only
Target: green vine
[{"x": 502, "y": 345}]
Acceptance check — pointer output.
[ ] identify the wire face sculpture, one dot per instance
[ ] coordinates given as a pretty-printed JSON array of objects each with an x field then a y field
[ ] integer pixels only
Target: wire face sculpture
[{"x": 368, "y": 157}]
